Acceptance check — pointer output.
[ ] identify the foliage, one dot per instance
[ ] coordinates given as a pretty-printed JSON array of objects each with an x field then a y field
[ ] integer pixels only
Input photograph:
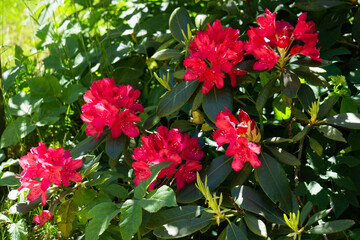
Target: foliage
[{"x": 302, "y": 179}]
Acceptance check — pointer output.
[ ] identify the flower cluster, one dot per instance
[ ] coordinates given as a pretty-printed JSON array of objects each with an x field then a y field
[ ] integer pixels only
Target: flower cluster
[
  {"x": 242, "y": 136},
  {"x": 45, "y": 216},
  {"x": 168, "y": 145},
  {"x": 112, "y": 106},
  {"x": 281, "y": 35},
  {"x": 52, "y": 166},
  {"x": 213, "y": 53}
]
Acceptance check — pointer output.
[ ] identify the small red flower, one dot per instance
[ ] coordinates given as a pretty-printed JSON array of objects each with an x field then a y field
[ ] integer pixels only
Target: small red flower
[
  {"x": 167, "y": 145},
  {"x": 280, "y": 35},
  {"x": 45, "y": 216},
  {"x": 242, "y": 136},
  {"x": 213, "y": 53},
  {"x": 112, "y": 106}
]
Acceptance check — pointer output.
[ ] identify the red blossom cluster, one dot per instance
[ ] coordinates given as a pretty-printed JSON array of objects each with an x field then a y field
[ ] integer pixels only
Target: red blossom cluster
[
  {"x": 45, "y": 216},
  {"x": 112, "y": 106},
  {"x": 242, "y": 137},
  {"x": 213, "y": 53},
  {"x": 281, "y": 35},
  {"x": 168, "y": 145},
  {"x": 52, "y": 166}
]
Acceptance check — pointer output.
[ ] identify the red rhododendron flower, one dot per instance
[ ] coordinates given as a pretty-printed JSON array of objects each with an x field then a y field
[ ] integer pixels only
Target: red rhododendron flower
[
  {"x": 50, "y": 166},
  {"x": 242, "y": 136},
  {"x": 168, "y": 145},
  {"x": 213, "y": 53},
  {"x": 280, "y": 35},
  {"x": 112, "y": 106},
  {"x": 45, "y": 216}
]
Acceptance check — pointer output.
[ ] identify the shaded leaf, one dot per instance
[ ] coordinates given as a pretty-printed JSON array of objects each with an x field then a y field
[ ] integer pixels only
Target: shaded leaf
[
  {"x": 246, "y": 65},
  {"x": 264, "y": 94},
  {"x": 290, "y": 83},
  {"x": 255, "y": 225},
  {"x": 331, "y": 133},
  {"x": 217, "y": 100},
  {"x": 309, "y": 5},
  {"x": 48, "y": 86},
  {"x": 114, "y": 146},
  {"x": 233, "y": 232},
  {"x": 311, "y": 77},
  {"x": 116, "y": 191},
  {"x": 347, "y": 120},
  {"x": 15, "y": 131},
  {"x": 305, "y": 211},
  {"x": 87, "y": 145},
  {"x": 284, "y": 156},
  {"x": 72, "y": 93},
  {"x": 317, "y": 216},
  {"x": 241, "y": 176},
  {"x": 306, "y": 96},
  {"x": 332, "y": 227},
  {"x": 178, "y": 22},
  {"x": 326, "y": 106},
  {"x": 316, "y": 146}
]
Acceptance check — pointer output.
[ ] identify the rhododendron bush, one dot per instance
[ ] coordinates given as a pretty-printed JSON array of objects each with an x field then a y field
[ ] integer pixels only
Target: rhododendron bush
[{"x": 238, "y": 122}]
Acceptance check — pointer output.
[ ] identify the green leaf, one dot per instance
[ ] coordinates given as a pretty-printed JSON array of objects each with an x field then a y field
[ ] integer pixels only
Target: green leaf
[
  {"x": 8, "y": 179},
  {"x": 254, "y": 202},
  {"x": 309, "y": 5},
  {"x": 140, "y": 190},
  {"x": 217, "y": 100},
  {"x": 65, "y": 216},
  {"x": 130, "y": 218},
  {"x": 356, "y": 26},
  {"x": 87, "y": 145},
  {"x": 255, "y": 225},
  {"x": 347, "y": 120},
  {"x": 276, "y": 140},
  {"x": 166, "y": 54},
  {"x": 306, "y": 96},
  {"x": 284, "y": 156},
  {"x": 82, "y": 196},
  {"x": 45, "y": 86},
  {"x": 264, "y": 95},
  {"x": 162, "y": 197},
  {"x": 281, "y": 111},
  {"x": 198, "y": 100},
  {"x": 169, "y": 216},
  {"x": 305, "y": 211},
  {"x": 316, "y": 146},
  {"x": 247, "y": 65},
  {"x": 72, "y": 93},
  {"x": 18, "y": 230},
  {"x": 178, "y": 22},
  {"x": 151, "y": 121},
  {"x": 332, "y": 227},
  {"x": 300, "y": 135},
  {"x": 317, "y": 216},
  {"x": 100, "y": 216},
  {"x": 176, "y": 98},
  {"x": 183, "y": 228},
  {"x": 311, "y": 77},
  {"x": 20, "y": 104},
  {"x": 241, "y": 176},
  {"x": 216, "y": 173},
  {"x": 348, "y": 105},
  {"x": 233, "y": 232},
  {"x": 15, "y": 131},
  {"x": 273, "y": 181},
  {"x": 114, "y": 146},
  {"x": 331, "y": 133},
  {"x": 116, "y": 191},
  {"x": 290, "y": 83}
]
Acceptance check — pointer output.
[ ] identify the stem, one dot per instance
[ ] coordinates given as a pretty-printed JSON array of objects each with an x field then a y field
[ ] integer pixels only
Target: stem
[
  {"x": 297, "y": 168},
  {"x": 139, "y": 235}
]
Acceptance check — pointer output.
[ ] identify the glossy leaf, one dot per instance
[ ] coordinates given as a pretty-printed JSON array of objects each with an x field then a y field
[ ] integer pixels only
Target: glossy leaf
[
  {"x": 15, "y": 131},
  {"x": 306, "y": 96},
  {"x": 233, "y": 232},
  {"x": 151, "y": 121},
  {"x": 317, "y": 216},
  {"x": 347, "y": 120},
  {"x": 308, "y": 5},
  {"x": 273, "y": 181},
  {"x": 247, "y": 66},
  {"x": 255, "y": 225},
  {"x": 176, "y": 98},
  {"x": 311, "y": 77},
  {"x": 284, "y": 156},
  {"x": 332, "y": 227},
  {"x": 252, "y": 201},
  {"x": 100, "y": 216},
  {"x": 241, "y": 176},
  {"x": 290, "y": 83},
  {"x": 331, "y": 133},
  {"x": 305, "y": 211},
  {"x": 198, "y": 100},
  {"x": 217, "y": 100},
  {"x": 87, "y": 145},
  {"x": 65, "y": 216},
  {"x": 171, "y": 215},
  {"x": 166, "y": 54},
  {"x": 316, "y": 146},
  {"x": 161, "y": 197},
  {"x": 264, "y": 94},
  {"x": 216, "y": 173},
  {"x": 183, "y": 228},
  {"x": 178, "y": 22},
  {"x": 300, "y": 135},
  {"x": 130, "y": 218},
  {"x": 114, "y": 146}
]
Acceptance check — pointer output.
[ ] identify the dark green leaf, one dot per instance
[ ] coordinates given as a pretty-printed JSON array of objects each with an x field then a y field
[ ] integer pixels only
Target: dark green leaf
[
  {"x": 183, "y": 228},
  {"x": 356, "y": 26},
  {"x": 313, "y": 63},
  {"x": 309, "y": 5},
  {"x": 317, "y": 216},
  {"x": 255, "y": 225},
  {"x": 45, "y": 86},
  {"x": 216, "y": 173},
  {"x": 198, "y": 100},
  {"x": 316, "y": 146},
  {"x": 178, "y": 22},
  {"x": 241, "y": 176},
  {"x": 8, "y": 179},
  {"x": 72, "y": 93},
  {"x": 217, "y": 100},
  {"x": 100, "y": 216},
  {"x": 116, "y": 191},
  {"x": 140, "y": 190},
  {"x": 176, "y": 98},
  {"x": 264, "y": 94},
  {"x": 347, "y": 120},
  {"x": 87, "y": 145},
  {"x": 247, "y": 66},
  {"x": 15, "y": 131},
  {"x": 151, "y": 121},
  {"x": 311, "y": 77},
  {"x": 233, "y": 232},
  {"x": 301, "y": 134},
  {"x": 273, "y": 181},
  {"x": 114, "y": 146},
  {"x": 162, "y": 197},
  {"x": 166, "y": 54},
  {"x": 290, "y": 83},
  {"x": 276, "y": 140},
  {"x": 254, "y": 202},
  {"x": 306, "y": 96},
  {"x": 284, "y": 156},
  {"x": 305, "y": 211},
  {"x": 331, "y": 133},
  {"x": 332, "y": 227},
  {"x": 348, "y": 105},
  {"x": 173, "y": 215},
  {"x": 65, "y": 216},
  {"x": 130, "y": 218}
]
